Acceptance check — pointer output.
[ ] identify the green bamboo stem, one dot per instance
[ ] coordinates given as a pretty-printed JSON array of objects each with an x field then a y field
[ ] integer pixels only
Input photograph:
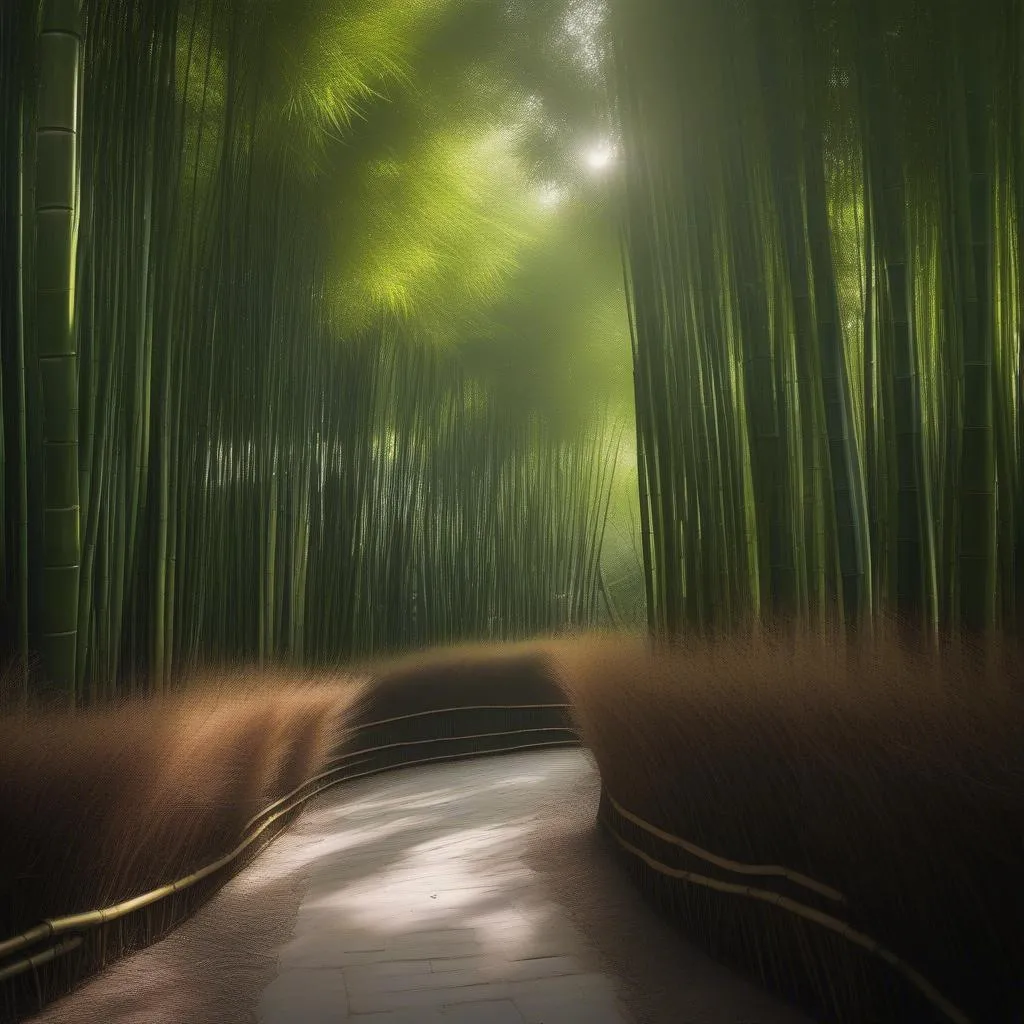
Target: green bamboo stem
[
  {"x": 22, "y": 390},
  {"x": 977, "y": 541},
  {"x": 59, "y": 49}
]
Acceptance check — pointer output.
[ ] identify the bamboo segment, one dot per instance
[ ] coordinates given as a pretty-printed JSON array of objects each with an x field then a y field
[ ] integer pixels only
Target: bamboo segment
[
  {"x": 56, "y": 220},
  {"x": 978, "y": 536}
]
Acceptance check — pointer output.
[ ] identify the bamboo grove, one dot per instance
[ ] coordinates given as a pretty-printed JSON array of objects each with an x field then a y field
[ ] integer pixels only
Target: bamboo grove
[
  {"x": 241, "y": 279},
  {"x": 203, "y": 458},
  {"x": 823, "y": 226}
]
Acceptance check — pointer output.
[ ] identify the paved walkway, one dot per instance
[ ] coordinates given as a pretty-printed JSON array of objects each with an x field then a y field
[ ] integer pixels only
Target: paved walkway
[
  {"x": 421, "y": 908},
  {"x": 477, "y": 891}
]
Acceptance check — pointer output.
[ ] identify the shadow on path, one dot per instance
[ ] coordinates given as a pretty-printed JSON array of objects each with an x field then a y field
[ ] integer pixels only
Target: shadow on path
[{"x": 471, "y": 891}]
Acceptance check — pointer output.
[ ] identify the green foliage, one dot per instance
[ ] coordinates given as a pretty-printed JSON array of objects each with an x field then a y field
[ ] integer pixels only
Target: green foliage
[
  {"x": 823, "y": 230},
  {"x": 298, "y": 221},
  {"x": 432, "y": 235}
]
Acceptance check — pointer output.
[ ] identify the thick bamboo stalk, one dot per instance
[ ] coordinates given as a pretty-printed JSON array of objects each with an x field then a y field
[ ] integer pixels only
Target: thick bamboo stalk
[
  {"x": 977, "y": 541},
  {"x": 56, "y": 223}
]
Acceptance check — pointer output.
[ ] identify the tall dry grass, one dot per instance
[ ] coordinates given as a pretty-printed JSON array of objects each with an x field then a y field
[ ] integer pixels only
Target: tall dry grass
[
  {"x": 884, "y": 769},
  {"x": 464, "y": 675},
  {"x": 107, "y": 804},
  {"x": 881, "y": 768}
]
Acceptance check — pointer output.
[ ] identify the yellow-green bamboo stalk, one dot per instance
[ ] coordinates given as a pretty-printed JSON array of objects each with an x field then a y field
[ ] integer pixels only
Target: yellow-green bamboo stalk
[{"x": 59, "y": 50}]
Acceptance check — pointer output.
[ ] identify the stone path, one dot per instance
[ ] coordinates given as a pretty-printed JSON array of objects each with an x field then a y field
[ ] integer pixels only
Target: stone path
[
  {"x": 420, "y": 908},
  {"x": 475, "y": 891}
]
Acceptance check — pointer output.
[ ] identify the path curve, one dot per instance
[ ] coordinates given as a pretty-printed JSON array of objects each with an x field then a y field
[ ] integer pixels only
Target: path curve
[{"x": 470, "y": 891}]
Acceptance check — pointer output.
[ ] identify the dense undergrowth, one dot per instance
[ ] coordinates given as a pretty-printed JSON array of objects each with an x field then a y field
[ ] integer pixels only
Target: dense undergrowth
[
  {"x": 106, "y": 804},
  {"x": 887, "y": 772}
]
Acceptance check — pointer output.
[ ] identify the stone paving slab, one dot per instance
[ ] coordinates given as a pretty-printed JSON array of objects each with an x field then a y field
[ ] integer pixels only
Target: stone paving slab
[{"x": 420, "y": 908}]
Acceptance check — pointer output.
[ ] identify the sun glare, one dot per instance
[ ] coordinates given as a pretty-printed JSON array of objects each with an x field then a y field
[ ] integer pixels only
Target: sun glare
[{"x": 600, "y": 156}]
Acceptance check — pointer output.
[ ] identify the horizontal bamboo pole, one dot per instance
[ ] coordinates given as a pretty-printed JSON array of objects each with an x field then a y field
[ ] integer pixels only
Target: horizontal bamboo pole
[
  {"x": 323, "y": 781},
  {"x": 92, "y": 919},
  {"x": 355, "y": 730},
  {"x": 723, "y": 862},
  {"x": 38, "y": 959},
  {"x": 450, "y": 739},
  {"x": 464, "y": 707},
  {"x": 833, "y": 924}
]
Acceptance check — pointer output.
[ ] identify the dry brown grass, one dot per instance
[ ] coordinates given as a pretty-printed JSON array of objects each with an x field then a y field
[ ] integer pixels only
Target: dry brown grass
[
  {"x": 106, "y": 804},
  {"x": 879, "y": 768},
  {"x": 460, "y": 676},
  {"x": 110, "y": 803}
]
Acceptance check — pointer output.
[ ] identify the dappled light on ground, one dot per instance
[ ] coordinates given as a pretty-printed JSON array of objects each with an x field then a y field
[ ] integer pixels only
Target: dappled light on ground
[{"x": 450, "y": 886}]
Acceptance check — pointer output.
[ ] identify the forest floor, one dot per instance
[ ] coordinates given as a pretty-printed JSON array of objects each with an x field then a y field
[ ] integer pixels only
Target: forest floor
[{"x": 471, "y": 891}]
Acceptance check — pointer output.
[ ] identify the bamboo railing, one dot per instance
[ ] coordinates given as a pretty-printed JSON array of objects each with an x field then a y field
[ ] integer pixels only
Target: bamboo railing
[
  {"x": 41, "y": 954},
  {"x": 448, "y": 733}
]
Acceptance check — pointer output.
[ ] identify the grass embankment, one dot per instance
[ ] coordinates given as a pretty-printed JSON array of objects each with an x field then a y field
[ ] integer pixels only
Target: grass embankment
[
  {"x": 887, "y": 773},
  {"x": 890, "y": 777},
  {"x": 106, "y": 804},
  {"x": 461, "y": 701}
]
